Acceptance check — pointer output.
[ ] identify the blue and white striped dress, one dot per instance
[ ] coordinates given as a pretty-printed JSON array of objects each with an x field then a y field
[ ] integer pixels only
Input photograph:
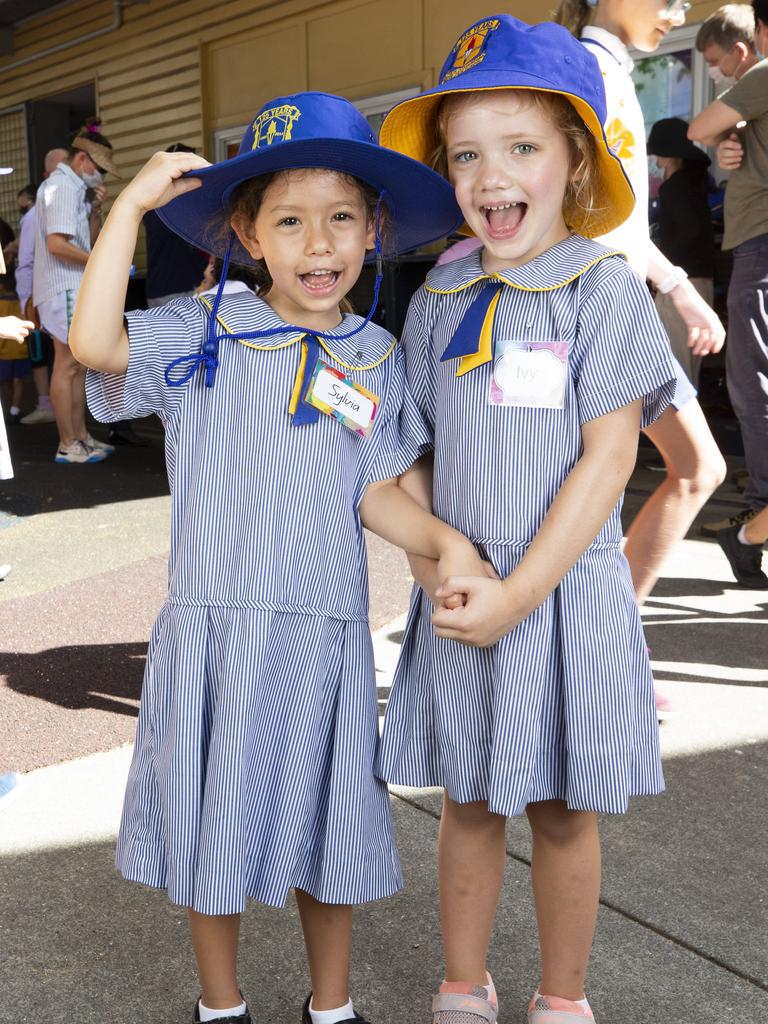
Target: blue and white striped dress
[
  {"x": 562, "y": 707},
  {"x": 253, "y": 766}
]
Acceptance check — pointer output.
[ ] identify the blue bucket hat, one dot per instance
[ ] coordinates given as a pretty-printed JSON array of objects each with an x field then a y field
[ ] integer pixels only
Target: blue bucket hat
[
  {"x": 308, "y": 130},
  {"x": 502, "y": 52}
]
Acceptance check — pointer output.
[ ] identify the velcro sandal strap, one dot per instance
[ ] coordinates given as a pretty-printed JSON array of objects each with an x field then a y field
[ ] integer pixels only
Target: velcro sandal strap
[{"x": 452, "y": 1002}]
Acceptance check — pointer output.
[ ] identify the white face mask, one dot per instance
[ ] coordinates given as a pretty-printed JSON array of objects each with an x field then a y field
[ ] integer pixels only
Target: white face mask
[
  {"x": 721, "y": 81},
  {"x": 93, "y": 179}
]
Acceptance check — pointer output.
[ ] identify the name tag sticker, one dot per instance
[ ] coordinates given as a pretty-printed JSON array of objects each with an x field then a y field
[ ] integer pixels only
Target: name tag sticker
[
  {"x": 342, "y": 398},
  {"x": 529, "y": 374}
]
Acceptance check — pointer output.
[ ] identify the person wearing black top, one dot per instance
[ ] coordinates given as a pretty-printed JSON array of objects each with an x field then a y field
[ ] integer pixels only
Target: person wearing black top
[{"x": 685, "y": 234}]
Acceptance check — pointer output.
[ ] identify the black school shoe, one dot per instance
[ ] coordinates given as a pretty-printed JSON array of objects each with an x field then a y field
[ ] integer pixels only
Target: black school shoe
[
  {"x": 306, "y": 1019},
  {"x": 242, "y": 1018},
  {"x": 746, "y": 559}
]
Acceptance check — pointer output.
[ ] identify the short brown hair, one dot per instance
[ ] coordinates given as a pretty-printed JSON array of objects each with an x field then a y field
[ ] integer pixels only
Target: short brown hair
[
  {"x": 734, "y": 23},
  {"x": 581, "y": 190}
]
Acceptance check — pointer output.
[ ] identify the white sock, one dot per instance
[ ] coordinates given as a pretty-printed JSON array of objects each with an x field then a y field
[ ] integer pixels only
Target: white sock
[
  {"x": 741, "y": 537},
  {"x": 584, "y": 1004},
  {"x": 14, "y": 410},
  {"x": 332, "y": 1016},
  {"x": 206, "y": 1014}
]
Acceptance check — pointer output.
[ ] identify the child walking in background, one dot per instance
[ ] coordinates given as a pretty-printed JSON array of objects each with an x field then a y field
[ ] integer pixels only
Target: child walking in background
[
  {"x": 286, "y": 422},
  {"x": 535, "y": 361},
  {"x": 694, "y": 465}
]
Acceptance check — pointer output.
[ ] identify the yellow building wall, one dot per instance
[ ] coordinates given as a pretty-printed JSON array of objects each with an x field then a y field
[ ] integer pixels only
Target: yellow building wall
[{"x": 177, "y": 71}]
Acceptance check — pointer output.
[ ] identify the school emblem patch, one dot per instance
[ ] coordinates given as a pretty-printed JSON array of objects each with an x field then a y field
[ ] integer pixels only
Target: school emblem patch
[
  {"x": 470, "y": 48},
  {"x": 275, "y": 124}
]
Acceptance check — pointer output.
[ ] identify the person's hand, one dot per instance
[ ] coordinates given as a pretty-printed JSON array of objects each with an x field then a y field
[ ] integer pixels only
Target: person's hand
[
  {"x": 490, "y": 610},
  {"x": 730, "y": 153},
  {"x": 160, "y": 180},
  {"x": 99, "y": 195},
  {"x": 461, "y": 559},
  {"x": 15, "y": 329},
  {"x": 706, "y": 333}
]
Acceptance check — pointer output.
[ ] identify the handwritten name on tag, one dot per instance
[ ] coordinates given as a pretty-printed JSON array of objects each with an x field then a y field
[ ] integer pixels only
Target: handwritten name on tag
[
  {"x": 342, "y": 398},
  {"x": 530, "y": 374}
]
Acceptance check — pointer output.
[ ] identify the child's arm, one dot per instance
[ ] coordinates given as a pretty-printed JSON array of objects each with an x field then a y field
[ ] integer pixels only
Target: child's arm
[
  {"x": 98, "y": 337},
  {"x": 706, "y": 333},
  {"x": 389, "y": 511},
  {"x": 576, "y": 516}
]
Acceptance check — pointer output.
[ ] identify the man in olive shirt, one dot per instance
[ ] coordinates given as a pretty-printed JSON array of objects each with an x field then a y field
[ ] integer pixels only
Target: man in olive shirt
[{"x": 745, "y": 107}]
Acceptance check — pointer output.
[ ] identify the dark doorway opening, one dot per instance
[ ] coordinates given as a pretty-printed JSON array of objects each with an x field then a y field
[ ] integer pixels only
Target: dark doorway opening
[{"x": 53, "y": 120}]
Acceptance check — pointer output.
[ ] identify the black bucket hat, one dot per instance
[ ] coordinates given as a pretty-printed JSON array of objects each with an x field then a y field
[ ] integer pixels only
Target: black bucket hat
[{"x": 669, "y": 137}]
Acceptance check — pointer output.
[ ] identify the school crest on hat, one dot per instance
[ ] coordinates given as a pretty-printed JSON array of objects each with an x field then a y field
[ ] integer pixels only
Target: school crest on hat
[
  {"x": 275, "y": 123},
  {"x": 469, "y": 50}
]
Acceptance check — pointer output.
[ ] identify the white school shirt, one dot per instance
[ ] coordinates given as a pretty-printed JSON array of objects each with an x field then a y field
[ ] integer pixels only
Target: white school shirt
[
  {"x": 625, "y": 130},
  {"x": 26, "y": 257},
  {"x": 61, "y": 210}
]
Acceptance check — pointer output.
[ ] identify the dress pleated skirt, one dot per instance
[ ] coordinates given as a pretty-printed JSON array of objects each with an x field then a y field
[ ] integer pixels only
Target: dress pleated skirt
[
  {"x": 561, "y": 708},
  {"x": 252, "y": 772}
]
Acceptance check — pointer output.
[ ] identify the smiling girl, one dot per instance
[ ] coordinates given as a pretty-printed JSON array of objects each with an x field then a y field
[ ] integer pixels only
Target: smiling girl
[
  {"x": 534, "y": 360},
  {"x": 253, "y": 767}
]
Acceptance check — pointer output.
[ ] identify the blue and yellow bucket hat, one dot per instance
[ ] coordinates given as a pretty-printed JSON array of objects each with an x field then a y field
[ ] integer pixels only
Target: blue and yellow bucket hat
[
  {"x": 502, "y": 52},
  {"x": 307, "y": 130}
]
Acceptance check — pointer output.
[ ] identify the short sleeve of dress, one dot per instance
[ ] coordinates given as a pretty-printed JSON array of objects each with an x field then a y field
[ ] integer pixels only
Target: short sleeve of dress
[
  {"x": 419, "y": 363},
  {"x": 401, "y": 436},
  {"x": 622, "y": 352},
  {"x": 155, "y": 337}
]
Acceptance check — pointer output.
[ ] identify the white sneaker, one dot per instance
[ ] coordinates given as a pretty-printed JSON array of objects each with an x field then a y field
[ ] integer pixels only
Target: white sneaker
[
  {"x": 38, "y": 415},
  {"x": 99, "y": 446},
  {"x": 78, "y": 452}
]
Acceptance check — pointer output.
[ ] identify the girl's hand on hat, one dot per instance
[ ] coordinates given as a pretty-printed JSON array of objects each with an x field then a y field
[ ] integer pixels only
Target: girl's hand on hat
[
  {"x": 160, "y": 180},
  {"x": 706, "y": 334}
]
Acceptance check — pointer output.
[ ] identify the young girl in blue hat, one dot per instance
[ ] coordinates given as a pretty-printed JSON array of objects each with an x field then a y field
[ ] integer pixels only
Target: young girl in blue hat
[
  {"x": 535, "y": 361},
  {"x": 286, "y": 424}
]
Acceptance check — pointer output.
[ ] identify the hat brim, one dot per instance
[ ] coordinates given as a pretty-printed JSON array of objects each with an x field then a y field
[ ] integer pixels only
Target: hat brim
[
  {"x": 681, "y": 152},
  {"x": 410, "y": 129},
  {"x": 100, "y": 155},
  {"x": 421, "y": 204}
]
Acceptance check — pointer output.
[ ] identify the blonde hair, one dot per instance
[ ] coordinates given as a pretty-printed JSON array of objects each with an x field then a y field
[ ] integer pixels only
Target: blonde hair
[
  {"x": 573, "y": 14},
  {"x": 580, "y": 198}
]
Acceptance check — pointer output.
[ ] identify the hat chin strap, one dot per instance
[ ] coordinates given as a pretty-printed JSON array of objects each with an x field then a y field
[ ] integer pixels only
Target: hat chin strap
[{"x": 208, "y": 356}]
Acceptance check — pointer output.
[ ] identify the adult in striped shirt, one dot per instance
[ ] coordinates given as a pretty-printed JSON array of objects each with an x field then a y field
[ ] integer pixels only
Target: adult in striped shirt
[{"x": 68, "y": 222}]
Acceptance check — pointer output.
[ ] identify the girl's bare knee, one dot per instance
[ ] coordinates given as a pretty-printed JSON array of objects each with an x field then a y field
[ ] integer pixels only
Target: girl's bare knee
[{"x": 552, "y": 821}]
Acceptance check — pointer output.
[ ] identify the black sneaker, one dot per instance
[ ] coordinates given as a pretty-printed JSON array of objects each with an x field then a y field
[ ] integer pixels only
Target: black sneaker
[
  {"x": 746, "y": 559},
  {"x": 306, "y": 1018},
  {"x": 241, "y": 1018},
  {"x": 712, "y": 529}
]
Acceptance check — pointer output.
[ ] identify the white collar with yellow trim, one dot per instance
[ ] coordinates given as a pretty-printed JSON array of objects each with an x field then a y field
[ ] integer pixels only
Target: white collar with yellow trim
[{"x": 554, "y": 268}]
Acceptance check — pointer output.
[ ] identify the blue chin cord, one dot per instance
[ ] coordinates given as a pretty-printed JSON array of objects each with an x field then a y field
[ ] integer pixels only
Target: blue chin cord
[{"x": 208, "y": 355}]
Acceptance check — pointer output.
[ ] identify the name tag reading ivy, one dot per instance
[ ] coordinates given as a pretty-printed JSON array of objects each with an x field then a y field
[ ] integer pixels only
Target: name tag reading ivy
[{"x": 340, "y": 397}]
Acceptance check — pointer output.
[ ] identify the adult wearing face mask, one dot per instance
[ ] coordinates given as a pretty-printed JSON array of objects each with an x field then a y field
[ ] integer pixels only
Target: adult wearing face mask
[
  {"x": 726, "y": 41},
  {"x": 745, "y": 106},
  {"x": 67, "y": 223}
]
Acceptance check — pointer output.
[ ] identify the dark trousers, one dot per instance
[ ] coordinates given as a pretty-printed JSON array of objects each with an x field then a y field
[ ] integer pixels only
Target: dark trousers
[{"x": 746, "y": 359}]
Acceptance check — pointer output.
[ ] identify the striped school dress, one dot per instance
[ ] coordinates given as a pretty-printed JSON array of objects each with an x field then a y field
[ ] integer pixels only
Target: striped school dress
[
  {"x": 253, "y": 765},
  {"x": 562, "y": 707}
]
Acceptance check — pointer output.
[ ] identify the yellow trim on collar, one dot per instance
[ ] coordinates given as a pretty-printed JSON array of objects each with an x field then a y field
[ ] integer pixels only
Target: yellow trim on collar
[
  {"x": 299, "y": 337},
  {"x": 521, "y": 287}
]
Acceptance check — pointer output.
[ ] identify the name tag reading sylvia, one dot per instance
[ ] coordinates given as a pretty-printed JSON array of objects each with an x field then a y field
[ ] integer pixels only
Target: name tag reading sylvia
[
  {"x": 529, "y": 374},
  {"x": 337, "y": 395}
]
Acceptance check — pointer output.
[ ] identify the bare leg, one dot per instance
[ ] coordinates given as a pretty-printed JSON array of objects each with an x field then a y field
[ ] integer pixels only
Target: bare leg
[
  {"x": 328, "y": 937},
  {"x": 471, "y": 861},
  {"x": 565, "y": 872},
  {"x": 215, "y": 938},
  {"x": 42, "y": 383},
  {"x": 67, "y": 394},
  {"x": 695, "y": 468}
]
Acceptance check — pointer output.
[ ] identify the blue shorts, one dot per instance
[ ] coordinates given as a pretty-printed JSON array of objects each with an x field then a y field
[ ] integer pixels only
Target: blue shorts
[
  {"x": 14, "y": 369},
  {"x": 685, "y": 391}
]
